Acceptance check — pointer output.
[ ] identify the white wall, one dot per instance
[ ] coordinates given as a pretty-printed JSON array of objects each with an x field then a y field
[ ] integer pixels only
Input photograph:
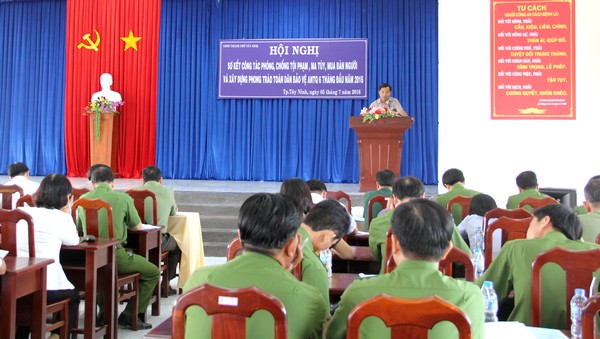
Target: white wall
[{"x": 492, "y": 152}]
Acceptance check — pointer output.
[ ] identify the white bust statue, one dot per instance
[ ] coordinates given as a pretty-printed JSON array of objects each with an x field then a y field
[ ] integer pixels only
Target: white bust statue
[{"x": 106, "y": 81}]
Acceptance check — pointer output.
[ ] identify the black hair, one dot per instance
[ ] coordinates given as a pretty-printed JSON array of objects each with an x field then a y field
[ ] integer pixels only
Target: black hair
[
  {"x": 316, "y": 185},
  {"x": 453, "y": 176},
  {"x": 384, "y": 85},
  {"x": 385, "y": 177},
  {"x": 102, "y": 174},
  {"x": 151, "y": 173},
  {"x": 562, "y": 219},
  {"x": 526, "y": 180},
  {"x": 92, "y": 169},
  {"x": 408, "y": 187},
  {"x": 299, "y": 191},
  {"x": 481, "y": 204},
  {"x": 17, "y": 168},
  {"x": 592, "y": 191},
  {"x": 329, "y": 215},
  {"x": 423, "y": 228},
  {"x": 53, "y": 192},
  {"x": 268, "y": 221}
]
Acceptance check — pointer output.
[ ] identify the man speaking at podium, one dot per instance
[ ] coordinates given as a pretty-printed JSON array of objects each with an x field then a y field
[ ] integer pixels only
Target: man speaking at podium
[{"x": 385, "y": 101}]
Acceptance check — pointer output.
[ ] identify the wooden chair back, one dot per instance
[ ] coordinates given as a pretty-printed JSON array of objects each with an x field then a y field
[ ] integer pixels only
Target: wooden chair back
[
  {"x": 26, "y": 200},
  {"x": 378, "y": 199},
  {"x": 8, "y": 231},
  {"x": 7, "y": 191},
  {"x": 513, "y": 228},
  {"x": 92, "y": 208},
  {"x": 389, "y": 262},
  {"x": 579, "y": 267},
  {"x": 228, "y": 309},
  {"x": 518, "y": 213},
  {"x": 139, "y": 200},
  {"x": 463, "y": 202},
  {"x": 338, "y": 195},
  {"x": 78, "y": 192},
  {"x": 588, "y": 316},
  {"x": 534, "y": 203},
  {"x": 457, "y": 256},
  {"x": 408, "y": 318}
]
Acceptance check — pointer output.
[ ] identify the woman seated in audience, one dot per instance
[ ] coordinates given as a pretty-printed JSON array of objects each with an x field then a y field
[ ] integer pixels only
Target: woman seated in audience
[
  {"x": 480, "y": 205},
  {"x": 53, "y": 227},
  {"x": 298, "y": 190}
]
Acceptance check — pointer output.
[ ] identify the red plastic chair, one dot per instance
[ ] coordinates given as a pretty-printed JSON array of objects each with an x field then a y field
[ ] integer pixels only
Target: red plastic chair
[
  {"x": 588, "y": 315},
  {"x": 496, "y": 213},
  {"x": 378, "y": 199},
  {"x": 463, "y": 202},
  {"x": 26, "y": 200},
  {"x": 7, "y": 191},
  {"x": 338, "y": 195},
  {"x": 78, "y": 192},
  {"x": 513, "y": 228},
  {"x": 457, "y": 256},
  {"x": 228, "y": 318},
  {"x": 534, "y": 203}
]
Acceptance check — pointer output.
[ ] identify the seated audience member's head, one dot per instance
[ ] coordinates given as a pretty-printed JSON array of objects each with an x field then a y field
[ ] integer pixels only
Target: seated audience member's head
[
  {"x": 18, "y": 168},
  {"x": 481, "y": 204},
  {"x": 92, "y": 169},
  {"x": 407, "y": 188},
  {"x": 298, "y": 190},
  {"x": 316, "y": 186},
  {"x": 54, "y": 192},
  {"x": 527, "y": 180},
  {"x": 329, "y": 221},
  {"x": 554, "y": 217},
  {"x": 592, "y": 195},
  {"x": 422, "y": 230},
  {"x": 103, "y": 174},
  {"x": 452, "y": 177},
  {"x": 152, "y": 173},
  {"x": 385, "y": 178},
  {"x": 268, "y": 224}
]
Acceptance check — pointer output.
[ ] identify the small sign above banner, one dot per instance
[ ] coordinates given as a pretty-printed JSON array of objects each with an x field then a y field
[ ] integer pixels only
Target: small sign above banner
[{"x": 293, "y": 68}]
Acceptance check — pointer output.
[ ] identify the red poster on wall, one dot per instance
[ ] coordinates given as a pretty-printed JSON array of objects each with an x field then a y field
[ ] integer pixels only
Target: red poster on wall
[{"x": 533, "y": 59}]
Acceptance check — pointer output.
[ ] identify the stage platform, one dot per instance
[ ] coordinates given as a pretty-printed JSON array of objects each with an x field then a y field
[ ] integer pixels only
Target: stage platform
[{"x": 218, "y": 202}]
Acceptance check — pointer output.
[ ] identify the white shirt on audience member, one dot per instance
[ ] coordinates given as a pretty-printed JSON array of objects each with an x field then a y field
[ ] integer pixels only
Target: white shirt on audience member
[
  {"x": 473, "y": 221},
  {"x": 52, "y": 229},
  {"x": 28, "y": 186}
]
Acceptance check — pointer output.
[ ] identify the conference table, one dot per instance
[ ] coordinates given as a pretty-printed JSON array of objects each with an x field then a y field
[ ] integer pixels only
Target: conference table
[
  {"x": 23, "y": 277},
  {"x": 186, "y": 229},
  {"x": 362, "y": 262}
]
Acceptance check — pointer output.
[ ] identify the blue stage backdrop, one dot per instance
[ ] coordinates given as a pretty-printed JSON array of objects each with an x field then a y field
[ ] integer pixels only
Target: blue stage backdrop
[{"x": 202, "y": 137}]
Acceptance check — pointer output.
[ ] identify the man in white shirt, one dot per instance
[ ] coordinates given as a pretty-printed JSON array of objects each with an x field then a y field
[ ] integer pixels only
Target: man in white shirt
[
  {"x": 386, "y": 101},
  {"x": 19, "y": 175}
]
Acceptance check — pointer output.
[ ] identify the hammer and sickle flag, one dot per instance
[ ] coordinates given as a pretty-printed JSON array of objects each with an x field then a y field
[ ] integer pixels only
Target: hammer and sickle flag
[{"x": 90, "y": 44}]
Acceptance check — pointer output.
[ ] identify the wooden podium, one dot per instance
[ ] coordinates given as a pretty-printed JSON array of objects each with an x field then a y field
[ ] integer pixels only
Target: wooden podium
[
  {"x": 379, "y": 147},
  {"x": 104, "y": 151}
]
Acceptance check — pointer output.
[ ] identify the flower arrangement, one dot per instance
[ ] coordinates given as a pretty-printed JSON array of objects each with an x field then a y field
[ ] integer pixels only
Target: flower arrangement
[
  {"x": 376, "y": 113},
  {"x": 98, "y": 107}
]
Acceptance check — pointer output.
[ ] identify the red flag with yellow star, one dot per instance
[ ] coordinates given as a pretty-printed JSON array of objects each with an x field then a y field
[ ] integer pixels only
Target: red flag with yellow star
[{"x": 119, "y": 38}]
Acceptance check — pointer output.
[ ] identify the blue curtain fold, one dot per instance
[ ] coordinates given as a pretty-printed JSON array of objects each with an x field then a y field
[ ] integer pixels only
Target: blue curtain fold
[
  {"x": 202, "y": 137},
  {"x": 32, "y": 86}
]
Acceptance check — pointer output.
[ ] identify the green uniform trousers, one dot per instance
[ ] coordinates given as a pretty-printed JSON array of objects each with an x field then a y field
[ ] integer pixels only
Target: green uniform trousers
[{"x": 149, "y": 275}]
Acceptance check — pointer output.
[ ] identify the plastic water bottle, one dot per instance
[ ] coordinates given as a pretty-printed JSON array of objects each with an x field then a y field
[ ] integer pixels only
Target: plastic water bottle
[
  {"x": 478, "y": 262},
  {"x": 490, "y": 300},
  {"x": 476, "y": 239},
  {"x": 576, "y": 306},
  {"x": 326, "y": 258}
]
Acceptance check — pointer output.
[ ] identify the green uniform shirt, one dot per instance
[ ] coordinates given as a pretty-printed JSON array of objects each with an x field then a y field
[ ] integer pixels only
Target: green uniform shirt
[
  {"x": 511, "y": 270},
  {"x": 165, "y": 199},
  {"x": 514, "y": 200},
  {"x": 378, "y": 239},
  {"x": 456, "y": 190},
  {"x": 590, "y": 222},
  {"x": 411, "y": 279},
  {"x": 304, "y": 305},
  {"x": 579, "y": 210},
  {"x": 123, "y": 210},
  {"x": 386, "y": 192},
  {"x": 314, "y": 272}
]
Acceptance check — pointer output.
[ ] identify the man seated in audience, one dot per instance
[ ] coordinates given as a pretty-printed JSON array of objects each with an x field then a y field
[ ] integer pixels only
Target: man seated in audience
[
  {"x": 325, "y": 224},
  {"x": 318, "y": 191},
  {"x": 19, "y": 175},
  {"x": 552, "y": 226},
  {"x": 590, "y": 222},
  {"x": 89, "y": 185},
  {"x": 528, "y": 188},
  {"x": 124, "y": 216},
  {"x": 422, "y": 233},
  {"x": 405, "y": 189},
  {"x": 454, "y": 181},
  {"x": 581, "y": 209},
  {"x": 268, "y": 228},
  {"x": 165, "y": 198},
  {"x": 385, "y": 179}
]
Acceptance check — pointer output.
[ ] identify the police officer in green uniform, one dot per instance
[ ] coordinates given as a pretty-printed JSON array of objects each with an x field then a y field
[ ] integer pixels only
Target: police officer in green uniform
[
  {"x": 454, "y": 181},
  {"x": 552, "y": 226},
  {"x": 528, "y": 188},
  {"x": 590, "y": 222},
  {"x": 124, "y": 216},
  {"x": 268, "y": 228},
  {"x": 581, "y": 209},
  {"x": 385, "y": 179},
  {"x": 422, "y": 231}
]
